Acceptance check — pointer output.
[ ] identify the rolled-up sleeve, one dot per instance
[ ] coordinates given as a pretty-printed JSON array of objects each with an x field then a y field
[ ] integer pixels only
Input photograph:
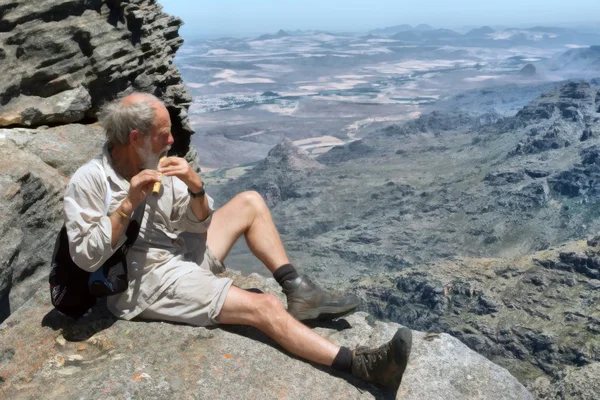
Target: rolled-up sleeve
[
  {"x": 182, "y": 215},
  {"x": 88, "y": 227}
]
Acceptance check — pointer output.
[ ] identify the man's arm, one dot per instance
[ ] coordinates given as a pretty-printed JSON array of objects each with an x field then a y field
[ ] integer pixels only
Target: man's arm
[
  {"x": 94, "y": 236},
  {"x": 197, "y": 216},
  {"x": 199, "y": 205},
  {"x": 140, "y": 186}
]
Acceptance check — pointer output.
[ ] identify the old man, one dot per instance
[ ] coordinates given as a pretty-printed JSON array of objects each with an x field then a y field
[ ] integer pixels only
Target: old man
[{"x": 183, "y": 242}]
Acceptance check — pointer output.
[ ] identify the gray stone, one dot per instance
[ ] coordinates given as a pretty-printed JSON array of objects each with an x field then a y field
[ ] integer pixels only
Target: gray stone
[
  {"x": 31, "y": 210},
  {"x": 114, "y": 358},
  {"x": 63, "y": 107},
  {"x": 65, "y": 58},
  {"x": 65, "y": 147}
]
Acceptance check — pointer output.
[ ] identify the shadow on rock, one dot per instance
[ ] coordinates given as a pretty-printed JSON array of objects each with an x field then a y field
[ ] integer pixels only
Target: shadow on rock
[
  {"x": 340, "y": 324},
  {"x": 99, "y": 319}
]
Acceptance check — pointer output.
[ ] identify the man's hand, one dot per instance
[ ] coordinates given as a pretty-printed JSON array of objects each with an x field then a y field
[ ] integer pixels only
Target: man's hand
[
  {"x": 141, "y": 185},
  {"x": 179, "y": 167}
]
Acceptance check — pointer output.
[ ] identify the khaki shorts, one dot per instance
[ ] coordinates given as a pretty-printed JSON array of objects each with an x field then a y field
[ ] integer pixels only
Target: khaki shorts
[{"x": 197, "y": 297}]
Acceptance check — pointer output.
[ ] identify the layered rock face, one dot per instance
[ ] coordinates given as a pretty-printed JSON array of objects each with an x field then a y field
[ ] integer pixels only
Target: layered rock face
[
  {"x": 61, "y": 60},
  {"x": 109, "y": 358},
  {"x": 65, "y": 58}
]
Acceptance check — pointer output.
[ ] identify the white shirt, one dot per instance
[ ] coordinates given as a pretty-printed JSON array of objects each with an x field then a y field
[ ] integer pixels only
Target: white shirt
[{"x": 156, "y": 259}]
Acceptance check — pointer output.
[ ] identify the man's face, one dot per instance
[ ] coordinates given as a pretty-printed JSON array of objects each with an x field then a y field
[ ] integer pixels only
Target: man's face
[{"x": 159, "y": 141}]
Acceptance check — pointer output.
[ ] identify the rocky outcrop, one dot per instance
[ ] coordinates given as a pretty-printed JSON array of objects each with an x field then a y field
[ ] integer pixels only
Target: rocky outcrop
[
  {"x": 65, "y": 58},
  {"x": 60, "y": 61},
  {"x": 109, "y": 358},
  {"x": 276, "y": 177},
  {"x": 534, "y": 315},
  {"x": 557, "y": 119},
  {"x": 31, "y": 209}
]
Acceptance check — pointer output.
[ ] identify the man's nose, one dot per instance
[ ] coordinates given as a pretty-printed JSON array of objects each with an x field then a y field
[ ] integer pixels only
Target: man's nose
[{"x": 170, "y": 141}]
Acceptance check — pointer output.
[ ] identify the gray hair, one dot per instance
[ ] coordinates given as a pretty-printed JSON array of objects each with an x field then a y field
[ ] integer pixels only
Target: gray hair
[{"x": 119, "y": 118}]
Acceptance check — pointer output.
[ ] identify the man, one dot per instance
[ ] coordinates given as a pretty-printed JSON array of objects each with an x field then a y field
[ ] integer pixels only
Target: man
[{"x": 182, "y": 244}]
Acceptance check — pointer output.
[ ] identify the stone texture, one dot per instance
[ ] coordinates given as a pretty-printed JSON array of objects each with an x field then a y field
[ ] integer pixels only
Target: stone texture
[
  {"x": 65, "y": 58},
  {"x": 65, "y": 147},
  {"x": 110, "y": 358},
  {"x": 31, "y": 209},
  {"x": 63, "y": 107}
]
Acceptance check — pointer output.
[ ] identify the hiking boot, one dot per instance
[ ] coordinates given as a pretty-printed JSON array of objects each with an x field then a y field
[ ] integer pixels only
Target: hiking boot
[
  {"x": 386, "y": 364},
  {"x": 306, "y": 301}
]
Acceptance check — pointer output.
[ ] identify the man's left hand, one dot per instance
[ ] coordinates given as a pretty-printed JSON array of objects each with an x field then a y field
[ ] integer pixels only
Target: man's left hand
[{"x": 179, "y": 167}]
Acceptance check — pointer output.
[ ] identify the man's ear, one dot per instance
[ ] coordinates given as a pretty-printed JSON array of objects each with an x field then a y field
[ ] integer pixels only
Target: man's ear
[{"x": 136, "y": 138}]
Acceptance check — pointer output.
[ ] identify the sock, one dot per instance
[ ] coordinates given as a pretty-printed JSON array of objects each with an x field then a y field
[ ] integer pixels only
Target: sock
[
  {"x": 285, "y": 273},
  {"x": 343, "y": 361}
]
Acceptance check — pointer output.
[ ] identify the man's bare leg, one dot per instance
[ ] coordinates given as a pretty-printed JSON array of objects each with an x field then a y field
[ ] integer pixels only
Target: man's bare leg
[
  {"x": 247, "y": 214},
  {"x": 384, "y": 365},
  {"x": 266, "y": 313}
]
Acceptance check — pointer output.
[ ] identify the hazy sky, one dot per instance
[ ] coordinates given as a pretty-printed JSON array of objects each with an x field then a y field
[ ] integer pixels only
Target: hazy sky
[{"x": 238, "y": 17}]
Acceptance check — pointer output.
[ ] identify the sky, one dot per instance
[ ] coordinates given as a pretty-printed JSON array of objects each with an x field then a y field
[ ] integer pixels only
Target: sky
[{"x": 213, "y": 18}]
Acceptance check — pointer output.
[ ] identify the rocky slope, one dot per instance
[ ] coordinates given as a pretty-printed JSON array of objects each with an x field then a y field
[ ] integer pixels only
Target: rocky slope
[
  {"x": 462, "y": 214},
  {"x": 61, "y": 60},
  {"x": 446, "y": 184},
  {"x": 536, "y": 315},
  {"x": 111, "y": 359}
]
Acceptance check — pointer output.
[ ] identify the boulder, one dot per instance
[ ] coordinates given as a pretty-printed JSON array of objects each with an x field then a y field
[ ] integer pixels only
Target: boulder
[
  {"x": 65, "y": 147},
  {"x": 114, "y": 358},
  {"x": 63, "y": 107},
  {"x": 65, "y": 58},
  {"x": 31, "y": 210}
]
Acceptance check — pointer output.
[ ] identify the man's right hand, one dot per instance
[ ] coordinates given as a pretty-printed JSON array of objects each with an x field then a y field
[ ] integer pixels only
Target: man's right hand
[{"x": 140, "y": 186}]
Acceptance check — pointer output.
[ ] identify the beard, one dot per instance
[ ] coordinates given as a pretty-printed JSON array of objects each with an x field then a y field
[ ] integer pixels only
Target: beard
[{"x": 148, "y": 157}]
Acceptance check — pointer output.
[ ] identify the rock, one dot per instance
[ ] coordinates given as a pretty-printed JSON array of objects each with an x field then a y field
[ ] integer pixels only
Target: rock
[
  {"x": 65, "y": 58},
  {"x": 581, "y": 180},
  {"x": 63, "y": 107},
  {"x": 504, "y": 177},
  {"x": 555, "y": 119},
  {"x": 350, "y": 151},
  {"x": 423, "y": 382},
  {"x": 31, "y": 210},
  {"x": 582, "y": 383},
  {"x": 126, "y": 358},
  {"x": 530, "y": 314},
  {"x": 65, "y": 147}
]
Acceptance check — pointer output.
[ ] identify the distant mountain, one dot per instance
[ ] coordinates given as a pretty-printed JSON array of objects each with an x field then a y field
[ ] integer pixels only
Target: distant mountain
[
  {"x": 423, "y": 36},
  {"x": 390, "y": 30},
  {"x": 586, "y": 60},
  {"x": 424, "y": 27},
  {"x": 480, "y": 32},
  {"x": 280, "y": 34}
]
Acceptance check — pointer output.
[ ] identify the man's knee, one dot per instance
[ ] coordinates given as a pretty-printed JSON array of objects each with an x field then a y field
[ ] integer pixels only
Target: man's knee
[
  {"x": 254, "y": 201},
  {"x": 269, "y": 309}
]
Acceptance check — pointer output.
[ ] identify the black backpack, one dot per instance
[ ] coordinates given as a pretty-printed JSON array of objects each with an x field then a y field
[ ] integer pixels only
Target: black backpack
[{"x": 72, "y": 289}]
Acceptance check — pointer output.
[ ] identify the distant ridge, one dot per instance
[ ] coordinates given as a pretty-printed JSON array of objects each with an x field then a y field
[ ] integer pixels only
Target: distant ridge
[{"x": 280, "y": 34}]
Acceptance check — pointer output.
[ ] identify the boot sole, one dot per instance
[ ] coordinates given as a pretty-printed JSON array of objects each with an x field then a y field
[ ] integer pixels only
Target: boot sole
[{"x": 323, "y": 313}]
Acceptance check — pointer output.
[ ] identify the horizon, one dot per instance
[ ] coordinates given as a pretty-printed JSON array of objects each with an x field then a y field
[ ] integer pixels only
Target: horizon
[{"x": 215, "y": 19}]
